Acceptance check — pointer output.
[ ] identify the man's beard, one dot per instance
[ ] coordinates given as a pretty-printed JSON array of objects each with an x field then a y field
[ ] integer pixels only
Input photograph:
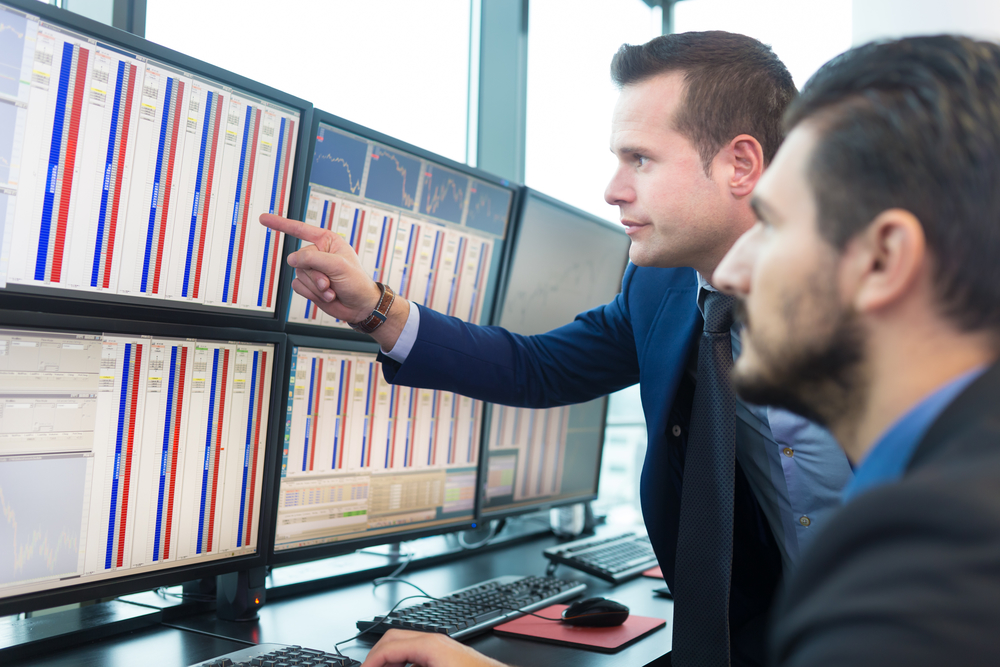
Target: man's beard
[{"x": 819, "y": 379}]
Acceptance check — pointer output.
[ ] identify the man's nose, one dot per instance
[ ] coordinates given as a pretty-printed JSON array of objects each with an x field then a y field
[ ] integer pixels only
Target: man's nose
[
  {"x": 733, "y": 273},
  {"x": 619, "y": 191}
]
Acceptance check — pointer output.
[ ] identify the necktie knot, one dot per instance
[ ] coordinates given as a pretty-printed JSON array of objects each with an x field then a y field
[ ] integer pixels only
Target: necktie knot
[{"x": 718, "y": 312}]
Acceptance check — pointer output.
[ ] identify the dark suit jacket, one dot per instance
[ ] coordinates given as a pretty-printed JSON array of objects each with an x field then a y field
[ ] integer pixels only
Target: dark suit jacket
[
  {"x": 645, "y": 335},
  {"x": 909, "y": 573}
]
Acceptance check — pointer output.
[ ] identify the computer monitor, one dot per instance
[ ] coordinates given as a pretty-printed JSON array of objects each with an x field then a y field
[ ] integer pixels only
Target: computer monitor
[
  {"x": 564, "y": 262},
  {"x": 132, "y": 455},
  {"x": 125, "y": 167},
  {"x": 430, "y": 228},
  {"x": 365, "y": 462}
]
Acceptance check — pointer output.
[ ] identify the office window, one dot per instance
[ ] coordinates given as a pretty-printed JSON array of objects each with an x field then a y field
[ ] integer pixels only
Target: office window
[
  {"x": 571, "y": 97},
  {"x": 621, "y": 462},
  {"x": 99, "y": 10},
  {"x": 570, "y": 101},
  {"x": 399, "y": 67},
  {"x": 803, "y": 34}
]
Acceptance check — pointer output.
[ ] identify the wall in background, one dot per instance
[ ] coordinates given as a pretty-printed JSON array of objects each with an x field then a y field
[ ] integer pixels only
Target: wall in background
[{"x": 882, "y": 19}]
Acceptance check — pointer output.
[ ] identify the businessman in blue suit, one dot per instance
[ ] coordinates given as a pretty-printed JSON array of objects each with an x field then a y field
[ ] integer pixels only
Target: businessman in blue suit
[{"x": 697, "y": 121}]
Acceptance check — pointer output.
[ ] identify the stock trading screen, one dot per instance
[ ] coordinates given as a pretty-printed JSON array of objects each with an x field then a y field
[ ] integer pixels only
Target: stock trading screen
[
  {"x": 125, "y": 176},
  {"x": 431, "y": 233},
  {"x": 364, "y": 458},
  {"x": 122, "y": 454}
]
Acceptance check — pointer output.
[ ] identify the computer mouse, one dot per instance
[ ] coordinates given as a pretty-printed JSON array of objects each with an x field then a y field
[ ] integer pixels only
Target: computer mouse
[{"x": 595, "y": 613}]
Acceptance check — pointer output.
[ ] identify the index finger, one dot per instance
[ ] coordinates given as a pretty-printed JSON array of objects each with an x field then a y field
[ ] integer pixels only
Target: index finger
[{"x": 299, "y": 230}]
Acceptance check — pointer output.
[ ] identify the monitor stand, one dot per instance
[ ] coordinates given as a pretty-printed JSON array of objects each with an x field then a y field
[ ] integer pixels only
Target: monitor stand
[
  {"x": 238, "y": 595},
  {"x": 200, "y": 590},
  {"x": 47, "y": 633}
]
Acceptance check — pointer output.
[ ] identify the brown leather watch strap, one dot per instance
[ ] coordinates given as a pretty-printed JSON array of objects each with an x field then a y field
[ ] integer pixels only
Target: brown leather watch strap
[{"x": 378, "y": 316}]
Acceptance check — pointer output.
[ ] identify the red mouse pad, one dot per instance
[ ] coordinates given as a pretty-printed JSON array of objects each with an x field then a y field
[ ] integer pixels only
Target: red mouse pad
[
  {"x": 606, "y": 640},
  {"x": 653, "y": 573}
]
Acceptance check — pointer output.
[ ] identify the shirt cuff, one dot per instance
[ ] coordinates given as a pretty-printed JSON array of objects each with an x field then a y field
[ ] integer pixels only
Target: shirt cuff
[{"x": 401, "y": 350}]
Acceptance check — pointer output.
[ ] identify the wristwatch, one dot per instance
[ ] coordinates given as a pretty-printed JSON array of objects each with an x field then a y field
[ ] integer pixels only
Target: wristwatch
[{"x": 377, "y": 318}]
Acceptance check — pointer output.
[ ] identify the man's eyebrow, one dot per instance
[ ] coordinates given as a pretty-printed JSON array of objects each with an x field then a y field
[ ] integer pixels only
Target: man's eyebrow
[
  {"x": 627, "y": 150},
  {"x": 762, "y": 210}
]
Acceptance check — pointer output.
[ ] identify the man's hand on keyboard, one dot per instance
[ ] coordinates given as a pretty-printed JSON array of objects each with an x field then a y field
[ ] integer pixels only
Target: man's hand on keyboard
[{"x": 427, "y": 649}]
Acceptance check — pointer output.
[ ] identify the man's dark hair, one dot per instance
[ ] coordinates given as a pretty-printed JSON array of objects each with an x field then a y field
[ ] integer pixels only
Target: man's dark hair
[
  {"x": 915, "y": 124},
  {"x": 735, "y": 85}
]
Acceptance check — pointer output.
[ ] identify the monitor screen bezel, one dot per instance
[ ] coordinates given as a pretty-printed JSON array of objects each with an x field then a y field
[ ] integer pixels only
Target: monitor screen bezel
[
  {"x": 132, "y": 583},
  {"x": 324, "y": 117},
  {"x": 71, "y": 302},
  {"x": 484, "y": 513},
  {"x": 319, "y": 551}
]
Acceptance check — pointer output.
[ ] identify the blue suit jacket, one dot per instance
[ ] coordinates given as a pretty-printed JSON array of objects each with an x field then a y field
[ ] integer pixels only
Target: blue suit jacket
[{"x": 645, "y": 335}]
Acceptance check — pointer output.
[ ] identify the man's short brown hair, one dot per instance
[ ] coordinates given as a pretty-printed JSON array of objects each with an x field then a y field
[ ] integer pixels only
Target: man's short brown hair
[{"x": 735, "y": 85}]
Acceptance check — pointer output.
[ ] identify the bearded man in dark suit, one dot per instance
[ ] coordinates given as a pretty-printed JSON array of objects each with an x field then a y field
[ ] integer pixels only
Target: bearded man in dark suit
[{"x": 871, "y": 287}]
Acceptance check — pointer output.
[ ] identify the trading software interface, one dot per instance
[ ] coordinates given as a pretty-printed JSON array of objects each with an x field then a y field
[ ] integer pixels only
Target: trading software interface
[
  {"x": 363, "y": 457},
  {"x": 120, "y": 175},
  {"x": 122, "y": 454},
  {"x": 565, "y": 262},
  {"x": 432, "y": 234}
]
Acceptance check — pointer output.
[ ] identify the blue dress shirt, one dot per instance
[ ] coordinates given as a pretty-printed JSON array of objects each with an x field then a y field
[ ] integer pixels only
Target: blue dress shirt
[{"x": 887, "y": 460}]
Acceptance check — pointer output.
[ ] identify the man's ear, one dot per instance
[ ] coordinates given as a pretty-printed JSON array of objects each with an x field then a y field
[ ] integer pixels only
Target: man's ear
[
  {"x": 744, "y": 158},
  {"x": 884, "y": 263}
]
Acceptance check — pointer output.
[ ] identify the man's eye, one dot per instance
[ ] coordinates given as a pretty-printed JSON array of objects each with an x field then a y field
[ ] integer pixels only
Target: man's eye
[{"x": 641, "y": 160}]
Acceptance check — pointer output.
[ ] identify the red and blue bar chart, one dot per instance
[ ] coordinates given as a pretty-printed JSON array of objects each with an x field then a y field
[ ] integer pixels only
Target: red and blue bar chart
[
  {"x": 251, "y": 450},
  {"x": 114, "y": 171},
  {"x": 130, "y": 182},
  {"x": 61, "y": 164},
  {"x": 167, "y": 488},
  {"x": 312, "y": 415},
  {"x": 163, "y": 174},
  {"x": 124, "y": 449},
  {"x": 166, "y": 456},
  {"x": 213, "y": 449},
  {"x": 282, "y": 165},
  {"x": 340, "y": 426},
  {"x": 241, "y": 206},
  {"x": 204, "y": 179}
]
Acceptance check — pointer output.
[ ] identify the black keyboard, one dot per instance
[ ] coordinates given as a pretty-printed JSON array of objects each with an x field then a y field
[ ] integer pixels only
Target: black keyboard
[
  {"x": 278, "y": 655},
  {"x": 615, "y": 559},
  {"x": 477, "y": 608}
]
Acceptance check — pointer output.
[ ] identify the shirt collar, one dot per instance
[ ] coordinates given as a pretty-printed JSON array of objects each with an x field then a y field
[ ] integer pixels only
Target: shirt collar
[
  {"x": 887, "y": 460},
  {"x": 703, "y": 287}
]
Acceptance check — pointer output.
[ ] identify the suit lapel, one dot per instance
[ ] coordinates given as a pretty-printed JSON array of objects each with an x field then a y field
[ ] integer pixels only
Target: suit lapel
[{"x": 973, "y": 406}]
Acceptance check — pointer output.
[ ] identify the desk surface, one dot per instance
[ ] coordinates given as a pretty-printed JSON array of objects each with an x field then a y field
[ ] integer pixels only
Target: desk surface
[
  {"x": 158, "y": 645},
  {"x": 321, "y": 619}
]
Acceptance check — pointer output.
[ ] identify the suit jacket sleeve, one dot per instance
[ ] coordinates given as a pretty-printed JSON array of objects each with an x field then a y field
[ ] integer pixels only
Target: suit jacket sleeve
[
  {"x": 908, "y": 574},
  {"x": 590, "y": 357}
]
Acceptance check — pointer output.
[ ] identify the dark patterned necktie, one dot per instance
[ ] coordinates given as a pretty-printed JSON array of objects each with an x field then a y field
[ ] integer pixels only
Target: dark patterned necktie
[{"x": 705, "y": 533}]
